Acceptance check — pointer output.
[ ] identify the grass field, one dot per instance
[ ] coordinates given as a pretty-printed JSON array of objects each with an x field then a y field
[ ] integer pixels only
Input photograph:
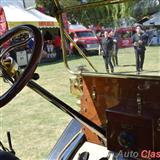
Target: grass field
[
  {"x": 35, "y": 124},
  {"x": 127, "y": 62}
]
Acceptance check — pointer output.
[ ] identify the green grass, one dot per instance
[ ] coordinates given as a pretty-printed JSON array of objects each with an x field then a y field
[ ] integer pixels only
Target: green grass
[
  {"x": 127, "y": 62},
  {"x": 35, "y": 124}
]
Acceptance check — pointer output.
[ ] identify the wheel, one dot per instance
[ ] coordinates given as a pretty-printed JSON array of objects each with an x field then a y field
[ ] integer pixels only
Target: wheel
[{"x": 18, "y": 82}]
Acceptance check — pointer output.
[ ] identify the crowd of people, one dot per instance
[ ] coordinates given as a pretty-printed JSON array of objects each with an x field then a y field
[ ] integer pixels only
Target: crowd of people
[
  {"x": 109, "y": 44},
  {"x": 53, "y": 45}
]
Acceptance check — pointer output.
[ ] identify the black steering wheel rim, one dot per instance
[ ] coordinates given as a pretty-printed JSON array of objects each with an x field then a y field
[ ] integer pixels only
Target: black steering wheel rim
[{"x": 30, "y": 68}]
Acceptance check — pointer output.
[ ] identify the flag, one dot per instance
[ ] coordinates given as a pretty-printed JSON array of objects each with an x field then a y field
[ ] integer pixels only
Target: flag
[{"x": 3, "y": 22}]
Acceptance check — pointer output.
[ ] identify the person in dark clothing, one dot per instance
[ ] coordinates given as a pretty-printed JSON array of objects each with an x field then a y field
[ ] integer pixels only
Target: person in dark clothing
[
  {"x": 107, "y": 46},
  {"x": 115, "y": 49},
  {"x": 138, "y": 40},
  {"x": 48, "y": 42}
]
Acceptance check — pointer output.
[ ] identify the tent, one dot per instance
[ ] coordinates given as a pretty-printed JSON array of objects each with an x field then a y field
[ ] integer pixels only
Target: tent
[
  {"x": 16, "y": 14},
  {"x": 154, "y": 20}
]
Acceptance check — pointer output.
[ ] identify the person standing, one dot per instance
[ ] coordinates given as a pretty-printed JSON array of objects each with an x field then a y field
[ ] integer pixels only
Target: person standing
[
  {"x": 115, "y": 49},
  {"x": 57, "y": 46},
  {"x": 107, "y": 46},
  {"x": 48, "y": 39},
  {"x": 139, "y": 48}
]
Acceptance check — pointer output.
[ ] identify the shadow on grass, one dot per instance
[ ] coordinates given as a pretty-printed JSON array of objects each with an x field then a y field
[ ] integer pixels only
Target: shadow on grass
[
  {"x": 142, "y": 72},
  {"x": 50, "y": 61},
  {"x": 124, "y": 72},
  {"x": 148, "y": 71},
  {"x": 127, "y": 65}
]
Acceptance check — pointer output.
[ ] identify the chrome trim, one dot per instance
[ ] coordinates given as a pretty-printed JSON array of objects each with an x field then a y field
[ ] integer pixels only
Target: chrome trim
[{"x": 70, "y": 131}]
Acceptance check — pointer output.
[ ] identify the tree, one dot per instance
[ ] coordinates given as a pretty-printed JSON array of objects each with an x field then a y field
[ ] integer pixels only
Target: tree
[
  {"x": 50, "y": 7},
  {"x": 108, "y": 15},
  {"x": 145, "y": 7}
]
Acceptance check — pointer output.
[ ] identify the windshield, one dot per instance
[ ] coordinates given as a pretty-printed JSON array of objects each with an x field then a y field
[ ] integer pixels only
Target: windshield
[
  {"x": 134, "y": 35},
  {"x": 84, "y": 34}
]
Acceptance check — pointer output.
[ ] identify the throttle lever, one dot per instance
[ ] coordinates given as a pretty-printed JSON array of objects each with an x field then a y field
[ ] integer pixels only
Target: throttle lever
[{"x": 10, "y": 143}]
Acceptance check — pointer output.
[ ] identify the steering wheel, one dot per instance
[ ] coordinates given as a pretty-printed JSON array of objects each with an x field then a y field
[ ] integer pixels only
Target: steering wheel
[{"x": 27, "y": 74}]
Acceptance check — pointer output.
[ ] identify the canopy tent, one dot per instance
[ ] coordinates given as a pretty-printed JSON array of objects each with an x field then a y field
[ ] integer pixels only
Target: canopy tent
[
  {"x": 154, "y": 20},
  {"x": 16, "y": 14}
]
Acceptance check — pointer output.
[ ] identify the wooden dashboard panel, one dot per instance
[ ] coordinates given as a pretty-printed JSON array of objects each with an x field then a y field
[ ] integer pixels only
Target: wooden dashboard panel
[{"x": 101, "y": 93}]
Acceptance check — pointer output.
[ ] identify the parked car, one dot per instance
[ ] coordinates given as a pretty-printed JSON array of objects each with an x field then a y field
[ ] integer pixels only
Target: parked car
[
  {"x": 84, "y": 38},
  {"x": 125, "y": 36}
]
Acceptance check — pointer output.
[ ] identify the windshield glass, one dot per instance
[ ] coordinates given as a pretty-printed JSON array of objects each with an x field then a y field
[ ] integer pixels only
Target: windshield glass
[
  {"x": 127, "y": 33},
  {"x": 84, "y": 34}
]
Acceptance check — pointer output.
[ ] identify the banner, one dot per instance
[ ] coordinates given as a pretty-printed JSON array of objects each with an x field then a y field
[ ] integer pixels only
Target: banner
[
  {"x": 3, "y": 23},
  {"x": 40, "y": 24}
]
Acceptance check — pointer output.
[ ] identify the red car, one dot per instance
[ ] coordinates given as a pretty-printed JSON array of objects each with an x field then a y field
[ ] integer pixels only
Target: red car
[
  {"x": 84, "y": 38},
  {"x": 125, "y": 36}
]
